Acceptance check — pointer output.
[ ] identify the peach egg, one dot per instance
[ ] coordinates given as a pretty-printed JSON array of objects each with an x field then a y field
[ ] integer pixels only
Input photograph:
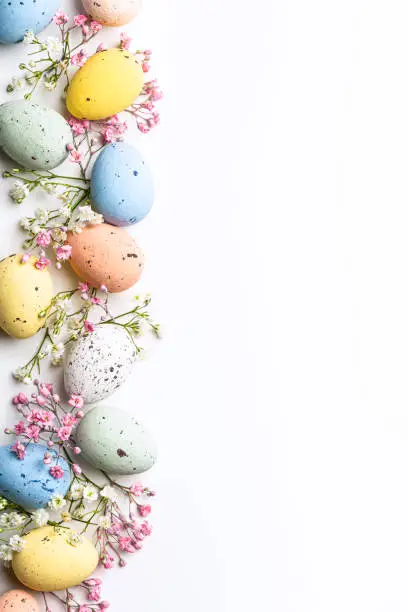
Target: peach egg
[{"x": 18, "y": 600}]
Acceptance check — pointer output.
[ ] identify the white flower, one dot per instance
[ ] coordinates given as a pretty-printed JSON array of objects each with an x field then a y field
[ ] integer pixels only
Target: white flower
[
  {"x": 35, "y": 228},
  {"x": 29, "y": 37},
  {"x": 104, "y": 522},
  {"x": 25, "y": 223},
  {"x": 16, "y": 543},
  {"x": 74, "y": 539},
  {"x": 90, "y": 493},
  {"x": 40, "y": 517},
  {"x": 27, "y": 380},
  {"x": 18, "y": 83},
  {"x": 78, "y": 513},
  {"x": 50, "y": 85},
  {"x": 58, "y": 235},
  {"x": 54, "y": 47},
  {"x": 20, "y": 374},
  {"x": 11, "y": 520},
  {"x": 41, "y": 214},
  {"x": 85, "y": 215},
  {"x": 50, "y": 188},
  {"x": 74, "y": 323},
  {"x": 57, "y": 502},
  {"x": 76, "y": 491},
  {"x": 18, "y": 192},
  {"x": 109, "y": 493},
  {"x": 6, "y": 554},
  {"x": 57, "y": 353}
]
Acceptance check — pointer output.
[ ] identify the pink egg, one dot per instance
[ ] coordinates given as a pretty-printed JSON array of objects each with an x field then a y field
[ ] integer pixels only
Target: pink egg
[
  {"x": 18, "y": 601},
  {"x": 112, "y": 12}
]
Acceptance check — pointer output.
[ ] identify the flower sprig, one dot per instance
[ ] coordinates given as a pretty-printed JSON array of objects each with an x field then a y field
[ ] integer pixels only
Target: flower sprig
[{"x": 78, "y": 312}]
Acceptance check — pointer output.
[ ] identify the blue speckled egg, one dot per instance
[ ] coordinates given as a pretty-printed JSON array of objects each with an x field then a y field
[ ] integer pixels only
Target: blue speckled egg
[
  {"x": 17, "y": 17},
  {"x": 121, "y": 185},
  {"x": 27, "y": 481}
]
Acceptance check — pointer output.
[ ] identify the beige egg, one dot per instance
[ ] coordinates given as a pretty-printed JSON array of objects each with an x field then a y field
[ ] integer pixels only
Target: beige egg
[
  {"x": 112, "y": 12},
  {"x": 24, "y": 293},
  {"x": 106, "y": 255},
  {"x": 18, "y": 601}
]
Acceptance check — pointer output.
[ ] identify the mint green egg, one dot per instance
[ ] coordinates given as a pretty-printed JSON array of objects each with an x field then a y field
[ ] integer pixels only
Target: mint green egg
[{"x": 34, "y": 136}]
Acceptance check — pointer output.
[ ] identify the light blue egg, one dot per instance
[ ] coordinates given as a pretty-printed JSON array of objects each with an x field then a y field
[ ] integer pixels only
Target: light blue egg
[
  {"x": 19, "y": 16},
  {"x": 121, "y": 185},
  {"x": 27, "y": 481}
]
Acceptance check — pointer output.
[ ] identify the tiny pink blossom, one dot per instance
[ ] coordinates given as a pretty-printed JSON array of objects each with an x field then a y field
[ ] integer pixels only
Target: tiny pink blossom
[
  {"x": 104, "y": 605},
  {"x": 97, "y": 301},
  {"x": 137, "y": 489},
  {"x": 47, "y": 459},
  {"x": 42, "y": 263},
  {"x": 69, "y": 420},
  {"x": 80, "y": 414},
  {"x": 19, "y": 428},
  {"x": 43, "y": 238},
  {"x": 34, "y": 416},
  {"x": 144, "y": 510},
  {"x": 64, "y": 433},
  {"x": 76, "y": 401},
  {"x": 83, "y": 287},
  {"x": 64, "y": 252},
  {"x": 22, "y": 398},
  {"x": 41, "y": 400},
  {"x": 104, "y": 288},
  {"x": 145, "y": 66},
  {"x": 146, "y": 528},
  {"x": 25, "y": 258},
  {"x": 108, "y": 561},
  {"x": 84, "y": 608},
  {"x": 19, "y": 449},
  {"x": 125, "y": 41},
  {"x": 56, "y": 471},
  {"x": 46, "y": 417},
  {"x": 79, "y": 59},
  {"x": 76, "y": 469},
  {"x": 95, "y": 26},
  {"x": 33, "y": 432},
  {"x": 75, "y": 157},
  {"x": 89, "y": 327},
  {"x": 79, "y": 20},
  {"x": 76, "y": 450},
  {"x": 95, "y": 593},
  {"x": 101, "y": 47},
  {"x": 45, "y": 390},
  {"x": 60, "y": 18}
]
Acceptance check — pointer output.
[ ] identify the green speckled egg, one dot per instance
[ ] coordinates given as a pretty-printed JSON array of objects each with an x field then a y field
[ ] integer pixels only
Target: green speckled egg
[
  {"x": 34, "y": 136},
  {"x": 24, "y": 293},
  {"x": 116, "y": 442}
]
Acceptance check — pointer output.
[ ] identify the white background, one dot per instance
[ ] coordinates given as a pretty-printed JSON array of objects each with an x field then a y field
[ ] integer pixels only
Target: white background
[{"x": 277, "y": 259}]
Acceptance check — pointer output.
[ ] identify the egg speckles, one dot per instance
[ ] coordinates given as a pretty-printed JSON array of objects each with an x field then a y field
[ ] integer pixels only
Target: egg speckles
[
  {"x": 108, "y": 83},
  {"x": 106, "y": 255},
  {"x": 121, "y": 185},
  {"x": 99, "y": 363},
  {"x": 28, "y": 481},
  {"x": 54, "y": 558},
  {"x": 24, "y": 293},
  {"x": 17, "y": 17},
  {"x": 116, "y": 442},
  {"x": 18, "y": 601},
  {"x": 34, "y": 136},
  {"x": 112, "y": 12}
]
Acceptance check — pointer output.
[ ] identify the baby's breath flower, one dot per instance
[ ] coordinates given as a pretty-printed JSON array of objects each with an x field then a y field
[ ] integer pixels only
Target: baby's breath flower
[
  {"x": 20, "y": 374},
  {"x": 66, "y": 517},
  {"x": 40, "y": 517},
  {"x": 57, "y": 502},
  {"x": 53, "y": 46},
  {"x": 19, "y": 192},
  {"x": 74, "y": 539},
  {"x": 90, "y": 494},
  {"x": 41, "y": 215},
  {"x": 25, "y": 223},
  {"x": 3, "y": 503},
  {"x": 6, "y": 553},
  {"x": 29, "y": 37},
  {"x": 109, "y": 493},
  {"x": 104, "y": 522},
  {"x": 16, "y": 543},
  {"x": 76, "y": 491}
]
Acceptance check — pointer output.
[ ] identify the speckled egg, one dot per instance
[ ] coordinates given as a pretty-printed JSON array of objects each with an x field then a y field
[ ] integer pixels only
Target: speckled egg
[
  {"x": 24, "y": 293},
  {"x": 112, "y": 12},
  {"x": 54, "y": 558},
  {"x": 28, "y": 481},
  {"x": 17, "y": 17},
  {"x": 116, "y": 442},
  {"x": 108, "y": 83},
  {"x": 121, "y": 185},
  {"x": 18, "y": 601},
  {"x": 99, "y": 363},
  {"x": 106, "y": 255},
  {"x": 34, "y": 136}
]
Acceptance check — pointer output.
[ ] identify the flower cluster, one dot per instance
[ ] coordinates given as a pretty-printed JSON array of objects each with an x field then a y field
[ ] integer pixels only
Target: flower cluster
[
  {"x": 84, "y": 598},
  {"x": 74, "y": 313}
]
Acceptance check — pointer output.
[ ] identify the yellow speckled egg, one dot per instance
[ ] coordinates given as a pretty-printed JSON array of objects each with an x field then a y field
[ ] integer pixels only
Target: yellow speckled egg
[
  {"x": 106, "y": 255},
  {"x": 107, "y": 83},
  {"x": 24, "y": 293},
  {"x": 54, "y": 558},
  {"x": 112, "y": 12},
  {"x": 18, "y": 601}
]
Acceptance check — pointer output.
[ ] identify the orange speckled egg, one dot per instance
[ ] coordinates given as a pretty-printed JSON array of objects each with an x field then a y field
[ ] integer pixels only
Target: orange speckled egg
[
  {"x": 112, "y": 12},
  {"x": 106, "y": 255},
  {"x": 18, "y": 601}
]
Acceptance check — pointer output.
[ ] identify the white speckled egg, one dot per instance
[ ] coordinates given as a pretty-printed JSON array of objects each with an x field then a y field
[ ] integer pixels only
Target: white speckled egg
[
  {"x": 99, "y": 363},
  {"x": 112, "y": 12},
  {"x": 116, "y": 442}
]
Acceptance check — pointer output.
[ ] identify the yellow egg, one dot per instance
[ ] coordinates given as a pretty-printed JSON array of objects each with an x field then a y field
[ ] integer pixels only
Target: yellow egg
[
  {"x": 107, "y": 83},
  {"x": 24, "y": 293},
  {"x": 54, "y": 558},
  {"x": 18, "y": 601}
]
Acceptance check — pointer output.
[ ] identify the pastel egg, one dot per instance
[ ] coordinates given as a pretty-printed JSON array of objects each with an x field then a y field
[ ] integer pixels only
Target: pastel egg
[
  {"x": 99, "y": 363},
  {"x": 28, "y": 481},
  {"x": 34, "y": 136},
  {"x": 54, "y": 558},
  {"x": 121, "y": 185},
  {"x": 17, "y": 17},
  {"x": 116, "y": 442},
  {"x": 112, "y": 12},
  {"x": 108, "y": 83},
  {"x": 18, "y": 601},
  {"x": 24, "y": 293},
  {"x": 106, "y": 255}
]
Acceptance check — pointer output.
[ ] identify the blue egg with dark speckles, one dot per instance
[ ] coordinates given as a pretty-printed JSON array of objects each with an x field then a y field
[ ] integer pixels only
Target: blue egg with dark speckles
[
  {"x": 121, "y": 185},
  {"x": 28, "y": 481},
  {"x": 20, "y": 16}
]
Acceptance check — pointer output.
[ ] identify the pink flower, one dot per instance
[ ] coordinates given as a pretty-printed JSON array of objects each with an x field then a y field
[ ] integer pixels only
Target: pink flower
[
  {"x": 25, "y": 258},
  {"x": 84, "y": 608},
  {"x": 33, "y": 432},
  {"x": 76, "y": 469},
  {"x": 104, "y": 288},
  {"x": 95, "y": 26},
  {"x": 79, "y": 59},
  {"x": 146, "y": 528},
  {"x": 19, "y": 428},
  {"x": 77, "y": 450},
  {"x": 45, "y": 390},
  {"x": 78, "y": 126},
  {"x": 144, "y": 510},
  {"x": 137, "y": 489},
  {"x": 125, "y": 41},
  {"x": 101, "y": 47},
  {"x": 23, "y": 399},
  {"x": 19, "y": 449},
  {"x": 126, "y": 545},
  {"x": 76, "y": 401},
  {"x": 46, "y": 417},
  {"x": 96, "y": 300},
  {"x": 69, "y": 420},
  {"x": 63, "y": 252},
  {"x": 79, "y": 20},
  {"x": 89, "y": 327},
  {"x": 145, "y": 66},
  {"x": 43, "y": 238},
  {"x": 108, "y": 561},
  {"x": 34, "y": 416},
  {"x": 42, "y": 263},
  {"x": 83, "y": 287},
  {"x": 47, "y": 459},
  {"x": 75, "y": 157},
  {"x": 56, "y": 471},
  {"x": 60, "y": 18},
  {"x": 41, "y": 400},
  {"x": 95, "y": 593},
  {"x": 104, "y": 605},
  {"x": 64, "y": 433}
]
